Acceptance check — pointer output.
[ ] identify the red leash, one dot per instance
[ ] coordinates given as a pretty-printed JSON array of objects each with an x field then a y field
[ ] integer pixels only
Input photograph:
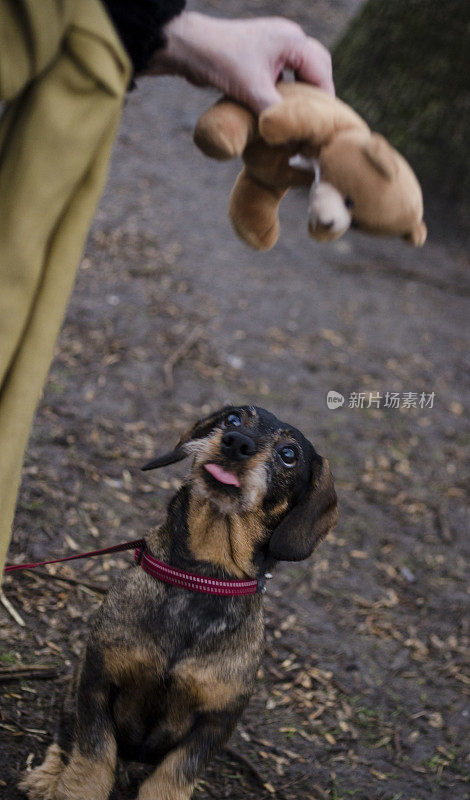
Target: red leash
[
  {"x": 115, "y": 548},
  {"x": 163, "y": 572}
]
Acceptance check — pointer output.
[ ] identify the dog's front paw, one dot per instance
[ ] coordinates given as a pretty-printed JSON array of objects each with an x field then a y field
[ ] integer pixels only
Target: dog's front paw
[{"x": 41, "y": 782}]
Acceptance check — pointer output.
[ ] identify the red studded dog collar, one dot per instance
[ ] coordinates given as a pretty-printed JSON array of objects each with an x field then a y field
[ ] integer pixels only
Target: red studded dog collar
[{"x": 195, "y": 583}]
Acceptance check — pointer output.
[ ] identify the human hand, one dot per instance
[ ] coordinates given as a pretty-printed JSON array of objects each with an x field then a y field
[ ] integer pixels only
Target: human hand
[{"x": 242, "y": 58}]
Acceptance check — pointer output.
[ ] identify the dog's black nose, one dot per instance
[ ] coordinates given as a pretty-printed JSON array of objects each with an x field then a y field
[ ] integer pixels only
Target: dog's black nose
[{"x": 237, "y": 446}]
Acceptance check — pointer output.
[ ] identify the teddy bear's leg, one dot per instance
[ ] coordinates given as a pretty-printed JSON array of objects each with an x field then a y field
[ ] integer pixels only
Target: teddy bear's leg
[
  {"x": 224, "y": 130},
  {"x": 309, "y": 115},
  {"x": 253, "y": 210}
]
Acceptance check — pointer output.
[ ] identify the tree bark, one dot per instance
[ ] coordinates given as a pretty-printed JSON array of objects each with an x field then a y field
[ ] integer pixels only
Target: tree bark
[{"x": 404, "y": 65}]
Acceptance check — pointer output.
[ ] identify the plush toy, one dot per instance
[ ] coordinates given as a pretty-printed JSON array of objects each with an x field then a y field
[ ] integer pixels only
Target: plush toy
[{"x": 360, "y": 180}]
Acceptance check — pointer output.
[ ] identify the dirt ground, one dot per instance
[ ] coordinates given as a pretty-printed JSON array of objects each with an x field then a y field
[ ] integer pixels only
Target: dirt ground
[{"x": 362, "y": 692}]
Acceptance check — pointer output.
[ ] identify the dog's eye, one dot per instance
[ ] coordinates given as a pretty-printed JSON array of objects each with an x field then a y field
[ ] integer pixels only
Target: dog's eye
[
  {"x": 288, "y": 456},
  {"x": 349, "y": 202},
  {"x": 233, "y": 419}
]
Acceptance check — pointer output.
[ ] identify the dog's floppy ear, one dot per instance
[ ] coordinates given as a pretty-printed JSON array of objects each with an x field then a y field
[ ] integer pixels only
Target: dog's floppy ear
[
  {"x": 197, "y": 431},
  {"x": 310, "y": 520},
  {"x": 168, "y": 458}
]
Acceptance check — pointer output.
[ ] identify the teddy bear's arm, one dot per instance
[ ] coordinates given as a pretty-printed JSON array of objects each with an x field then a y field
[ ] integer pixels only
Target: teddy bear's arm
[
  {"x": 224, "y": 130},
  {"x": 253, "y": 210}
]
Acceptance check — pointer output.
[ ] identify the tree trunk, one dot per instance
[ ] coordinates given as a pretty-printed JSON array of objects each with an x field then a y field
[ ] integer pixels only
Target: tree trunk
[{"x": 404, "y": 65}]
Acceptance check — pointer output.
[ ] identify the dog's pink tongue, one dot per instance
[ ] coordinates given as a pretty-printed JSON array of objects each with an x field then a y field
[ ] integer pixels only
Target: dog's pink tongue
[{"x": 221, "y": 475}]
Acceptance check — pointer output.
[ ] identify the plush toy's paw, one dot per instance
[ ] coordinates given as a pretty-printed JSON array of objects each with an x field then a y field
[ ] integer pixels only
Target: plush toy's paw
[
  {"x": 224, "y": 130},
  {"x": 417, "y": 236},
  {"x": 253, "y": 210}
]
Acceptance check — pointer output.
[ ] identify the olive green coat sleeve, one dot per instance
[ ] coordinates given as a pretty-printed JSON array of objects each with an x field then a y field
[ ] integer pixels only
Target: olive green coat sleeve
[{"x": 63, "y": 75}]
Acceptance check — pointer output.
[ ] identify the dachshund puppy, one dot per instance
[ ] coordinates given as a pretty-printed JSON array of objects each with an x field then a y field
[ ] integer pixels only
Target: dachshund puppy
[{"x": 168, "y": 671}]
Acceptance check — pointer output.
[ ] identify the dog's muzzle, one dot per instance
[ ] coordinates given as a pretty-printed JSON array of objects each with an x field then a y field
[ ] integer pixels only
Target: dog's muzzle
[{"x": 237, "y": 446}]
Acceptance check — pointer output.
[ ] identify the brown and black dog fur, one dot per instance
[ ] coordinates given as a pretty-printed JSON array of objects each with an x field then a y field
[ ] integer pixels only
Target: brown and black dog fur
[{"x": 167, "y": 672}]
